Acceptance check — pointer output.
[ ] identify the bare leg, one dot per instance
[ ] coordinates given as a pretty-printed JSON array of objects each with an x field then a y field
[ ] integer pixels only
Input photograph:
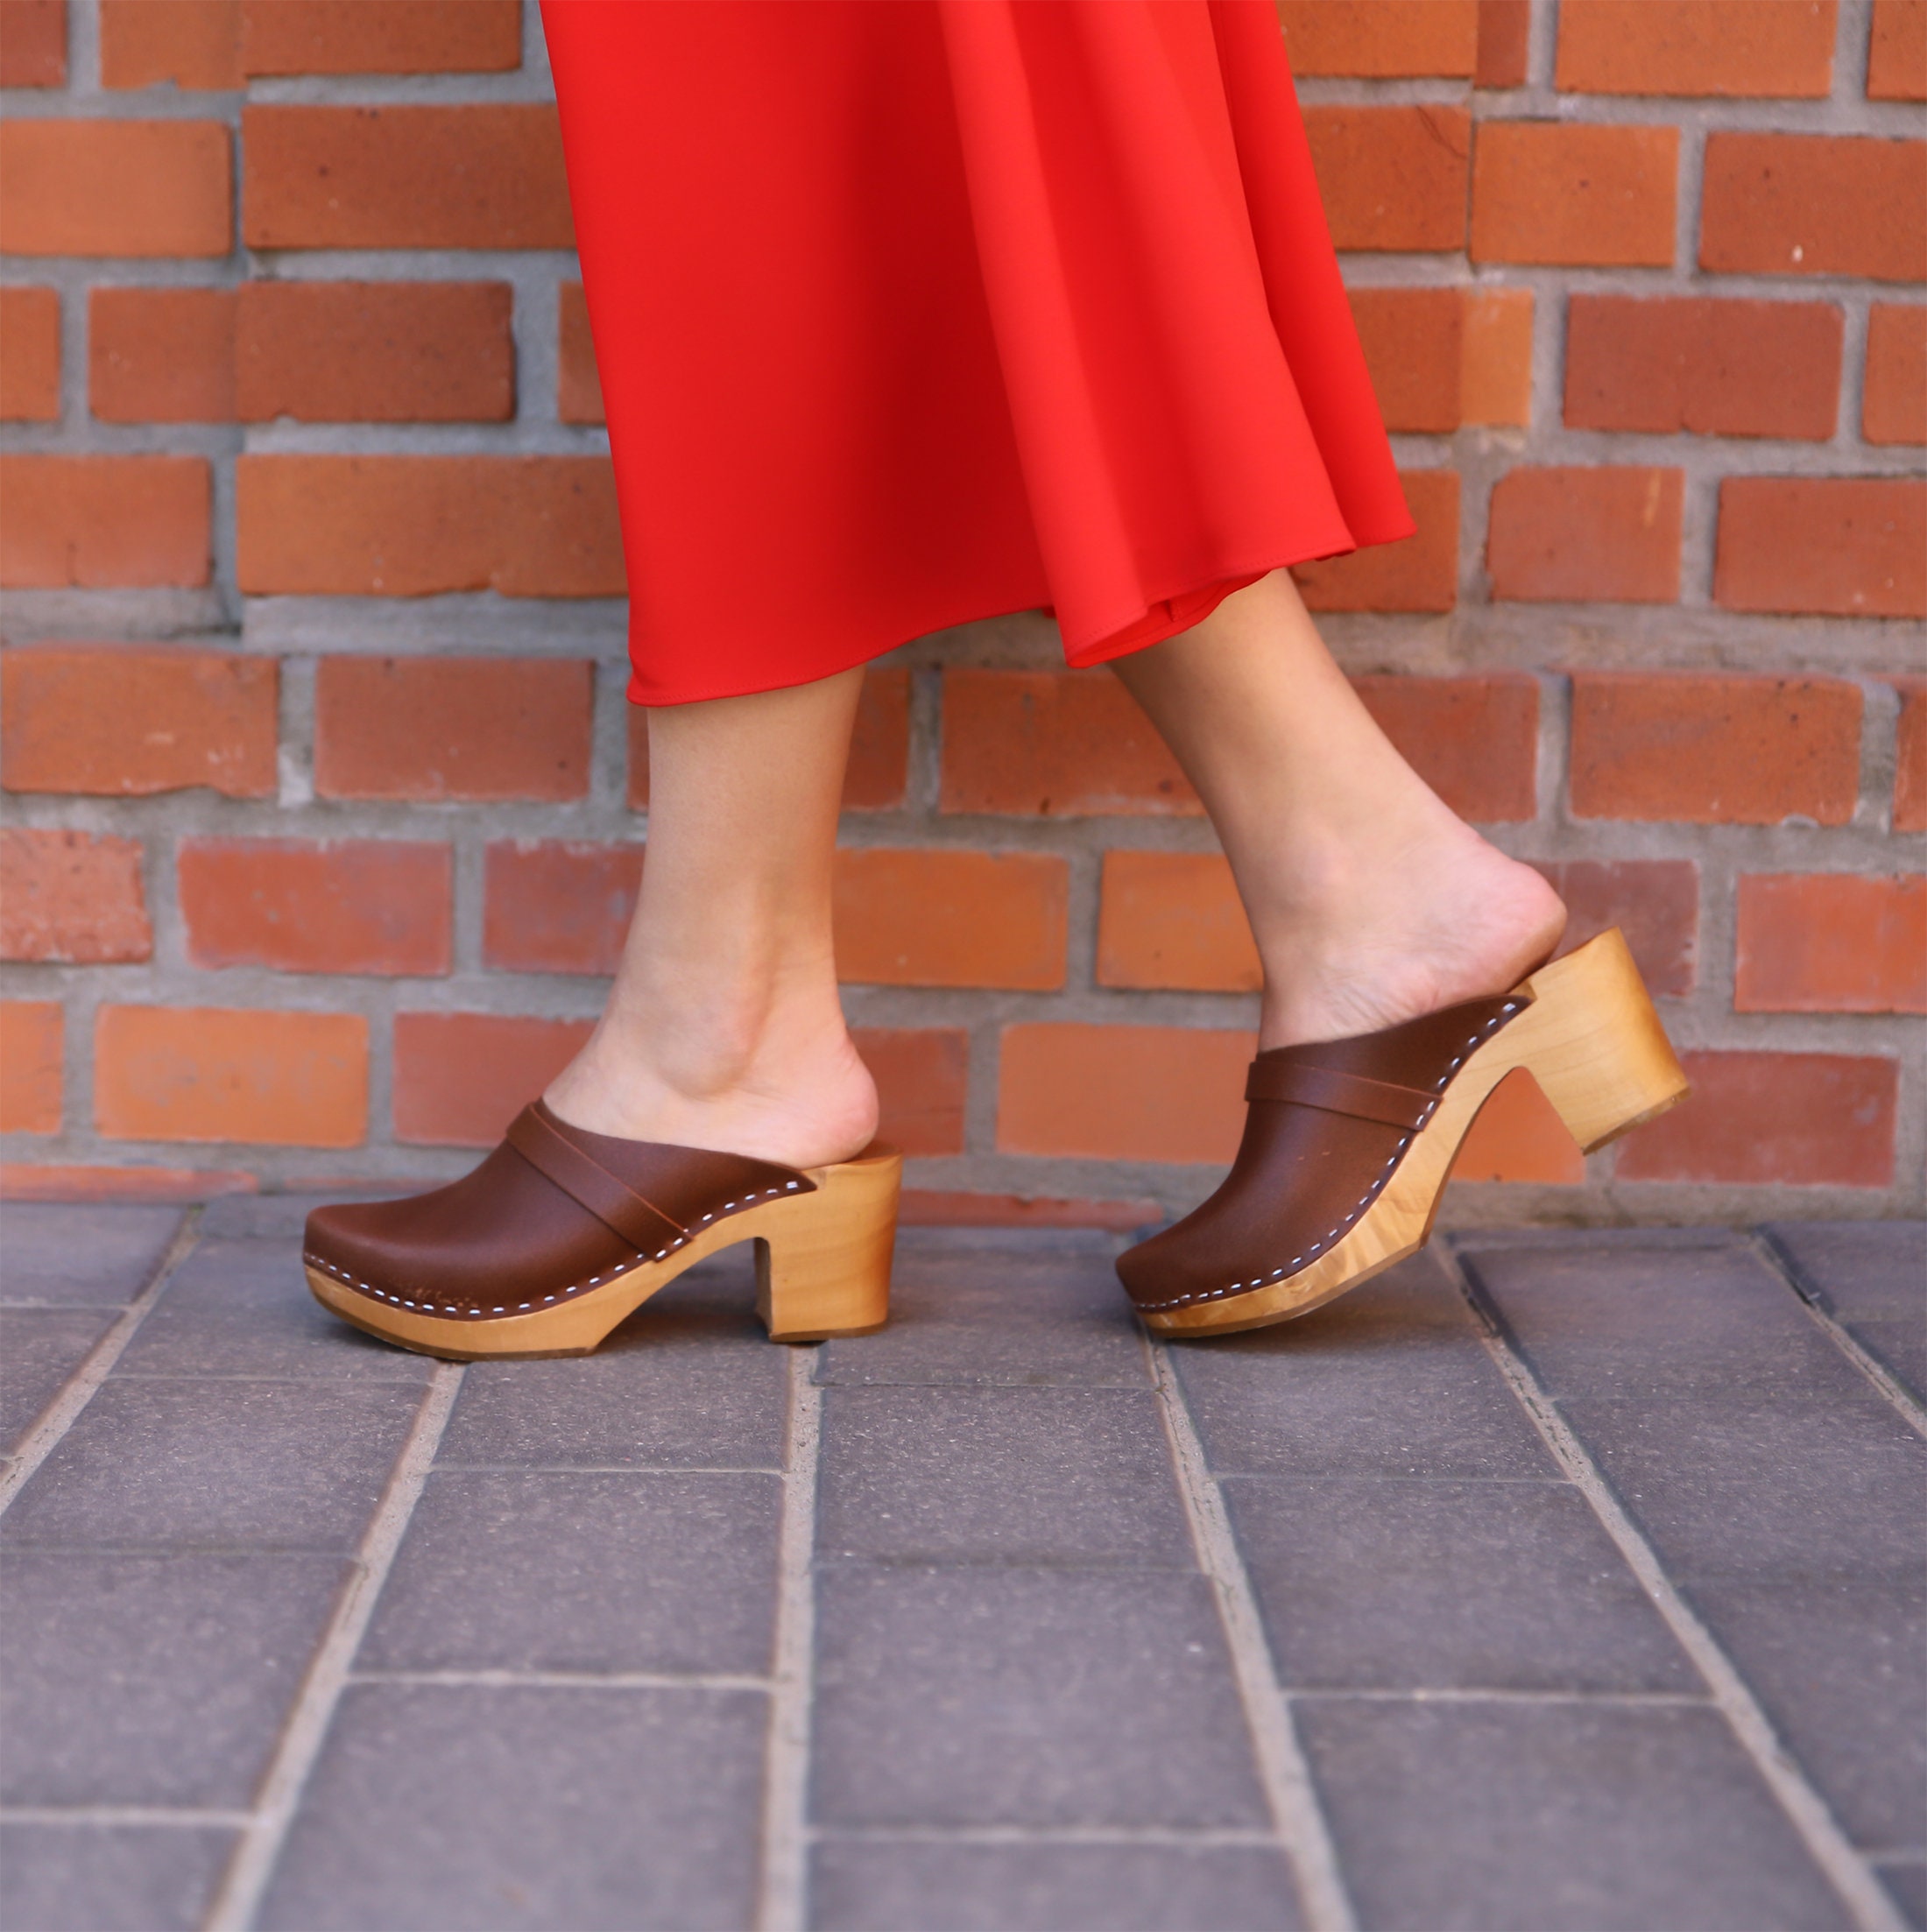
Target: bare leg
[
  {"x": 1370, "y": 901},
  {"x": 723, "y": 1028}
]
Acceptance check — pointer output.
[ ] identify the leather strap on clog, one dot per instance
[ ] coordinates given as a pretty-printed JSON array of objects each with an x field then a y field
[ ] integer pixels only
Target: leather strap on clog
[
  {"x": 1301, "y": 1085},
  {"x": 588, "y": 1184}
]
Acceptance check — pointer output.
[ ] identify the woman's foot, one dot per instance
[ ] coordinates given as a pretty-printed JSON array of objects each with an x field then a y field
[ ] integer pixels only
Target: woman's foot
[
  {"x": 790, "y": 1090},
  {"x": 1424, "y": 921}
]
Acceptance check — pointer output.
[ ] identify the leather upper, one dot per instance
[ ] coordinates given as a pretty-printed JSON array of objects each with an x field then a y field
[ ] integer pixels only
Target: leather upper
[
  {"x": 1327, "y": 1126},
  {"x": 553, "y": 1212}
]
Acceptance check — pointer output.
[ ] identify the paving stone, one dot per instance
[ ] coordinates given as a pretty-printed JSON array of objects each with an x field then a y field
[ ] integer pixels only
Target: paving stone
[
  {"x": 1906, "y": 1880},
  {"x": 39, "y": 1349},
  {"x": 282, "y": 1216},
  {"x": 153, "y": 1680},
  {"x": 170, "y": 1465},
  {"x": 1871, "y": 1277},
  {"x": 1764, "y": 1489},
  {"x": 1840, "y": 1668},
  {"x": 471, "y": 1808},
  {"x": 858, "y": 1886},
  {"x": 1442, "y": 1586},
  {"x": 1035, "y": 1697},
  {"x": 1713, "y": 1324},
  {"x": 1391, "y": 1380},
  {"x": 242, "y": 1307},
  {"x": 108, "y": 1878},
  {"x": 539, "y": 1570},
  {"x": 1029, "y": 1306},
  {"x": 75, "y": 1256},
  {"x": 690, "y": 1380},
  {"x": 1555, "y": 1816},
  {"x": 999, "y": 1475}
]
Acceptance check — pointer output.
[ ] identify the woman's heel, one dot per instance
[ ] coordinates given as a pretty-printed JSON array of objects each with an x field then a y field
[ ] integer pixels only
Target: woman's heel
[
  {"x": 1592, "y": 1041},
  {"x": 822, "y": 1260}
]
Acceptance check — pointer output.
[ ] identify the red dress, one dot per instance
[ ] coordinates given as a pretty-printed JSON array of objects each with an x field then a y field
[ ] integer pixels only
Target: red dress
[{"x": 911, "y": 312}]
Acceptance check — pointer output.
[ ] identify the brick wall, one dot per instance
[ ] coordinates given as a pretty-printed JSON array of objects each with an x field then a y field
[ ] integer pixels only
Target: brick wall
[{"x": 325, "y": 810}]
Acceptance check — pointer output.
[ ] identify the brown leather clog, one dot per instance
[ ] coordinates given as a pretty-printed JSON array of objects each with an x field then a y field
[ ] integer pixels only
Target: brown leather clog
[
  {"x": 561, "y": 1233},
  {"x": 1349, "y": 1143}
]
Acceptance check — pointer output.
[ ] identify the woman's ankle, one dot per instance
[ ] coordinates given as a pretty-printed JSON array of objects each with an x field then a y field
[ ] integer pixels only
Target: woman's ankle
[
  {"x": 796, "y": 1091},
  {"x": 1420, "y": 926}
]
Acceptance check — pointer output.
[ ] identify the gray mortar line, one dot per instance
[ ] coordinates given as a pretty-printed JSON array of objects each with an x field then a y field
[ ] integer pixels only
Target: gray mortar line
[
  {"x": 1298, "y": 1818},
  {"x": 1897, "y": 1395},
  {"x": 564, "y": 1680},
  {"x": 183, "y": 1818},
  {"x": 1203, "y": 1837},
  {"x": 245, "y": 1881},
  {"x": 77, "y": 1391},
  {"x": 782, "y": 1901},
  {"x": 1867, "y": 1901}
]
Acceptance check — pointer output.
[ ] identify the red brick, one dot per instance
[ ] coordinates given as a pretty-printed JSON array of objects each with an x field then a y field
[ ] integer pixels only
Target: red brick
[
  {"x": 100, "y": 522},
  {"x": 1417, "y": 573},
  {"x": 1773, "y": 1119},
  {"x": 1814, "y": 204},
  {"x": 1654, "y": 902},
  {"x": 1830, "y": 942},
  {"x": 879, "y": 746},
  {"x": 194, "y": 44},
  {"x": 1122, "y": 1093},
  {"x": 398, "y": 37},
  {"x": 1711, "y": 748},
  {"x": 1715, "y": 368},
  {"x": 1060, "y": 743},
  {"x": 1896, "y": 51},
  {"x": 1413, "y": 341},
  {"x": 176, "y": 1073},
  {"x": 32, "y": 1033},
  {"x": 452, "y": 728},
  {"x": 1474, "y": 740},
  {"x": 1911, "y": 757},
  {"x": 160, "y": 354},
  {"x": 964, "y": 1207},
  {"x": 30, "y": 353},
  {"x": 1518, "y": 1136},
  {"x": 115, "y": 188},
  {"x": 127, "y": 719},
  {"x": 71, "y": 897},
  {"x": 1505, "y": 42},
  {"x": 1585, "y": 534},
  {"x": 1380, "y": 37},
  {"x": 942, "y": 917},
  {"x": 298, "y": 905},
  {"x": 1743, "y": 47},
  {"x": 33, "y": 43},
  {"x": 482, "y": 176},
  {"x": 1392, "y": 177},
  {"x": 1173, "y": 920},
  {"x": 1894, "y": 405},
  {"x": 409, "y": 527},
  {"x": 1495, "y": 373},
  {"x": 375, "y": 351},
  {"x": 554, "y": 905},
  {"x": 460, "y": 1078},
  {"x": 578, "y": 391},
  {"x": 922, "y": 1075},
  {"x": 1853, "y": 547},
  {"x": 25, "y": 1181},
  {"x": 1574, "y": 194}
]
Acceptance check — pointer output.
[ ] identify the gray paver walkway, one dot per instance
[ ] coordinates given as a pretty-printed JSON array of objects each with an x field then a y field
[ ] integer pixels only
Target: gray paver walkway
[{"x": 1551, "y": 1581}]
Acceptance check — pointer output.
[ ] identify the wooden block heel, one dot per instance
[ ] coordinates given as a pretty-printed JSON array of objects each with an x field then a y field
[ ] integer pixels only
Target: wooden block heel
[
  {"x": 1350, "y": 1143},
  {"x": 561, "y": 1234}
]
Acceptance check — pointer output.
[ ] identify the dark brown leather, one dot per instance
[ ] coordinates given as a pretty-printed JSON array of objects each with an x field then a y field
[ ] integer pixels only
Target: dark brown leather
[
  {"x": 1327, "y": 1126},
  {"x": 553, "y": 1214}
]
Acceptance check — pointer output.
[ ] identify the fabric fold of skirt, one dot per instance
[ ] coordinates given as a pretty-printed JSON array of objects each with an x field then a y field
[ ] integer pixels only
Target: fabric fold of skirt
[{"x": 913, "y": 312}]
